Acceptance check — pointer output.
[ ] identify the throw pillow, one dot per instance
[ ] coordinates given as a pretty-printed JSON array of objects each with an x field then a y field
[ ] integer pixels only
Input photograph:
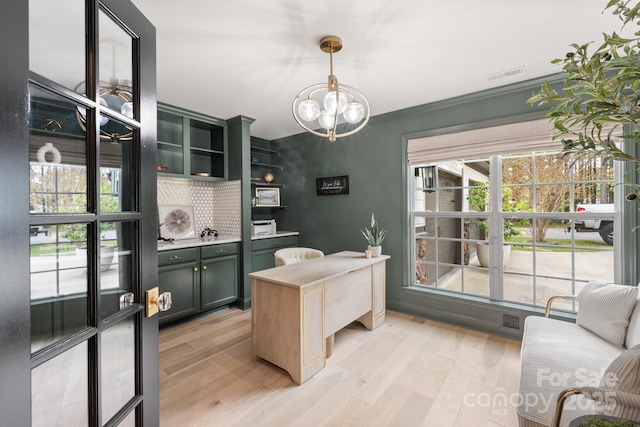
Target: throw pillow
[
  {"x": 623, "y": 374},
  {"x": 604, "y": 309},
  {"x": 618, "y": 392}
]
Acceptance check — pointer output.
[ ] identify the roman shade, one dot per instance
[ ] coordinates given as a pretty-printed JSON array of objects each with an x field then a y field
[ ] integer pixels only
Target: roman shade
[{"x": 534, "y": 135}]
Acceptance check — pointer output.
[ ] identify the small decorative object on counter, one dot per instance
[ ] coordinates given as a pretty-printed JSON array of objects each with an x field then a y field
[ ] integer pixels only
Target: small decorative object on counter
[
  {"x": 374, "y": 236},
  {"x": 208, "y": 234},
  {"x": 268, "y": 177},
  {"x": 368, "y": 254}
]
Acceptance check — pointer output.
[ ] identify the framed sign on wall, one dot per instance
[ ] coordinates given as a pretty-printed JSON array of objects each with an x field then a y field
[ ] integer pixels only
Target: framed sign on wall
[{"x": 332, "y": 185}]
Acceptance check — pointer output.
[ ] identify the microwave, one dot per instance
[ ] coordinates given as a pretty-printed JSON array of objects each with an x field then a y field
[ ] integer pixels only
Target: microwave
[{"x": 263, "y": 227}]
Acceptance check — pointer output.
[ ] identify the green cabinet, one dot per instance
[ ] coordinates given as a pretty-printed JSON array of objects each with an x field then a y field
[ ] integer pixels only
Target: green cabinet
[
  {"x": 191, "y": 144},
  {"x": 262, "y": 251},
  {"x": 218, "y": 276},
  {"x": 199, "y": 278},
  {"x": 178, "y": 274}
]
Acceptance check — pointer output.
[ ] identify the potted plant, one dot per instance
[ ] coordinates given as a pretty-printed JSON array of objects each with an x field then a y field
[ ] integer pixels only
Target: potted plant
[
  {"x": 77, "y": 235},
  {"x": 477, "y": 202},
  {"x": 374, "y": 236}
]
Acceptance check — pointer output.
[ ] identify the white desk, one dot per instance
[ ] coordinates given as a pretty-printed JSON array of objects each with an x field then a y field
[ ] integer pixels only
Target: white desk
[{"x": 297, "y": 308}]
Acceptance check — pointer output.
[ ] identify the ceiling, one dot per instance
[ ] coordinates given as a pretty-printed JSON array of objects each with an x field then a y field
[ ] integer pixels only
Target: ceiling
[{"x": 251, "y": 57}]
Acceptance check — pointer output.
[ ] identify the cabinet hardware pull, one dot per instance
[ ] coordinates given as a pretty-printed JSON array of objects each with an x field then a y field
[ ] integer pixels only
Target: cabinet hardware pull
[
  {"x": 204, "y": 267},
  {"x": 175, "y": 257},
  {"x": 220, "y": 251},
  {"x": 195, "y": 268}
]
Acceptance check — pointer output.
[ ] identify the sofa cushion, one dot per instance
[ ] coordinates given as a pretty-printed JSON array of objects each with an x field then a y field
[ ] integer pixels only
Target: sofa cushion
[
  {"x": 557, "y": 355},
  {"x": 605, "y": 308}
]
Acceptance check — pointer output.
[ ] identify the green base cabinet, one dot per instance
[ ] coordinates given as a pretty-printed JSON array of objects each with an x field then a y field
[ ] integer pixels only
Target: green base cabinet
[
  {"x": 178, "y": 274},
  {"x": 199, "y": 279},
  {"x": 262, "y": 251},
  {"x": 219, "y": 276}
]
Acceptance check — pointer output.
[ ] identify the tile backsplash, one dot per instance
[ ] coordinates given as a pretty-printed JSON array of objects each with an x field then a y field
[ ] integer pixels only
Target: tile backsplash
[{"x": 215, "y": 204}]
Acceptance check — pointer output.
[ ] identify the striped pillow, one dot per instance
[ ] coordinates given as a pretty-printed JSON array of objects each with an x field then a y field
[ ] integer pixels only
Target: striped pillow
[{"x": 604, "y": 309}]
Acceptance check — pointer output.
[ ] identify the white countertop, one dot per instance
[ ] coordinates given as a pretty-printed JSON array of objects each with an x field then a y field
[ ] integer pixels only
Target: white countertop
[
  {"x": 278, "y": 234},
  {"x": 188, "y": 243}
]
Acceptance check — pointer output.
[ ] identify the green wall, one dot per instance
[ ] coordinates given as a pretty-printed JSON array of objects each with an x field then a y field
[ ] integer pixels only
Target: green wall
[{"x": 375, "y": 160}]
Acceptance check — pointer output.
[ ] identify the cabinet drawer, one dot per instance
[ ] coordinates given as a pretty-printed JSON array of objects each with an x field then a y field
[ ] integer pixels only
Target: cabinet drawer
[
  {"x": 218, "y": 250},
  {"x": 177, "y": 256},
  {"x": 276, "y": 242}
]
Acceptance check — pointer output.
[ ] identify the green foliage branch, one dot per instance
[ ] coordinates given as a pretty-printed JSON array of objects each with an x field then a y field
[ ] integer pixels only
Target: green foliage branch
[
  {"x": 479, "y": 198},
  {"x": 600, "y": 93}
]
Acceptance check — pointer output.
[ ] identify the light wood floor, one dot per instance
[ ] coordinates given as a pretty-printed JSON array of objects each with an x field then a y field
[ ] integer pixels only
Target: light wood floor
[{"x": 407, "y": 372}]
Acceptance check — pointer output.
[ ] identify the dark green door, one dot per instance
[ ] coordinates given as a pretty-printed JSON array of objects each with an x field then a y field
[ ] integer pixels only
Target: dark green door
[{"x": 77, "y": 131}]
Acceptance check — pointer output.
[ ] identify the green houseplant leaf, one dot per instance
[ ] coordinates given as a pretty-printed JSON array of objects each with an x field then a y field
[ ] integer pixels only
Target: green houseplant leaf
[
  {"x": 600, "y": 93},
  {"x": 376, "y": 234}
]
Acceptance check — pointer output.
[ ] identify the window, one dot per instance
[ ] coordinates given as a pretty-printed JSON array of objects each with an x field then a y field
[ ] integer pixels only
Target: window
[{"x": 511, "y": 227}]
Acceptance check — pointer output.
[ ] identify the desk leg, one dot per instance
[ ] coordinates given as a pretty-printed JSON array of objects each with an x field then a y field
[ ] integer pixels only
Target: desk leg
[{"x": 329, "y": 345}]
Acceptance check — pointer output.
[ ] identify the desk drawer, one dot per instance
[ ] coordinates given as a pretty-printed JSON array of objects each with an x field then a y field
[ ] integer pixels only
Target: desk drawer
[
  {"x": 218, "y": 250},
  {"x": 177, "y": 256}
]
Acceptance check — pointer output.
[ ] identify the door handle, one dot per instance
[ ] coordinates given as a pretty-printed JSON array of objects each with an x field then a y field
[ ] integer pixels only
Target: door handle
[
  {"x": 126, "y": 300},
  {"x": 157, "y": 302}
]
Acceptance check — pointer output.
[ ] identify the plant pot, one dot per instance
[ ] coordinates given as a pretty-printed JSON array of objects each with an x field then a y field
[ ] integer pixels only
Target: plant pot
[
  {"x": 482, "y": 250},
  {"x": 376, "y": 251}
]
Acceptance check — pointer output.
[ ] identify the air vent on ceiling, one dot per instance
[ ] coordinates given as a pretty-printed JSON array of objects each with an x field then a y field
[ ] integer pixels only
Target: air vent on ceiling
[{"x": 506, "y": 73}]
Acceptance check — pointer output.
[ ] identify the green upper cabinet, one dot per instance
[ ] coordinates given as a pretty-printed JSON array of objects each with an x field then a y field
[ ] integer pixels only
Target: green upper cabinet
[{"x": 191, "y": 145}]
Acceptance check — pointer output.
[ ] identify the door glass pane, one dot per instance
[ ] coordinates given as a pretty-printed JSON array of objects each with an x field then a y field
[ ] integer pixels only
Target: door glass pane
[
  {"x": 116, "y": 265},
  {"x": 57, "y": 155},
  {"x": 118, "y": 367},
  {"x": 117, "y": 173},
  {"x": 129, "y": 421},
  {"x": 56, "y": 40},
  {"x": 58, "y": 282},
  {"x": 59, "y": 390},
  {"x": 115, "y": 72}
]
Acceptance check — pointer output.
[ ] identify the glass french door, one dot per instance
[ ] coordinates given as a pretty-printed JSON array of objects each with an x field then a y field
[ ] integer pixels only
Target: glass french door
[{"x": 76, "y": 346}]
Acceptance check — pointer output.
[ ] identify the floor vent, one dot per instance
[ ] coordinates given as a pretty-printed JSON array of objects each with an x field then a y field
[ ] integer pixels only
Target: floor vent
[
  {"x": 506, "y": 73},
  {"x": 511, "y": 321}
]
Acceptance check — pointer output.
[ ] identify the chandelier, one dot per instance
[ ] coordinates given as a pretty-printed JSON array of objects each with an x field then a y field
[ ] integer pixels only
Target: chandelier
[
  {"x": 331, "y": 110},
  {"x": 116, "y": 97}
]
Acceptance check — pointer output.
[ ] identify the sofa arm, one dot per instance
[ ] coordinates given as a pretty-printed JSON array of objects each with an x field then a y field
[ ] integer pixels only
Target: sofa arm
[
  {"x": 560, "y": 402},
  {"x": 553, "y": 298},
  {"x": 627, "y": 403}
]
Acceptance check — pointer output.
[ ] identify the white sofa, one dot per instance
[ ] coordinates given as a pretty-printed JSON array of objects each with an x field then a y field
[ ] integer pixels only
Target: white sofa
[{"x": 559, "y": 355}]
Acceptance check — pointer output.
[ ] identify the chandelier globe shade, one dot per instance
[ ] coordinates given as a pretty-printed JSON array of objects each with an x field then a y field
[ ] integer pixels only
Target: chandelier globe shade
[
  {"x": 331, "y": 110},
  {"x": 309, "y": 110},
  {"x": 116, "y": 97}
]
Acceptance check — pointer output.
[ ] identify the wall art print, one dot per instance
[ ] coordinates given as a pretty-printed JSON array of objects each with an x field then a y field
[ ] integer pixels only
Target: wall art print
[{"x": 177, "y": 222}]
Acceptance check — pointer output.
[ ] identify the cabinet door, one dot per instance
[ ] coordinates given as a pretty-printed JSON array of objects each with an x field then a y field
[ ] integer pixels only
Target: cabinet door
[
  {"x": 261, "y": 260},
  {"x": 182, "y": 282},
  {"x": 263, "y": 250},
  {"x": 219, "y": 282}
]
